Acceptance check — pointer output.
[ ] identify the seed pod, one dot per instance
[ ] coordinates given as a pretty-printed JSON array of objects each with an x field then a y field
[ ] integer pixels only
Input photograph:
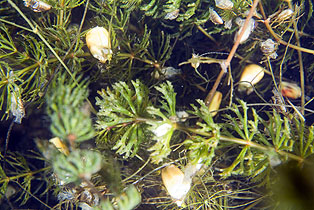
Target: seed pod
[
  {"x": 215, "y": 103},
  {"x": 167, "y": 73},
  {"x": 214, "y": 17},
  {"x": 60, "y": 145},
  {"x": 290, "y": 90},
  {"x": 250, "y": 27},
  {"x": 98, "y": 42},
  {"x": 172, "y": 15},
  {"x": 268, "y": 48},
  {"x": 37, "y": 6},
  {"x": 176, "y": 183},
  {"x": 250, "y": 76},
  {"x": 224, "y": 4},
  {"x": 228, "y": 24},
  {"x": 17, "y": 107},
  {"x": 182, "y": 115},
  {"x": 284, "y": 15}
]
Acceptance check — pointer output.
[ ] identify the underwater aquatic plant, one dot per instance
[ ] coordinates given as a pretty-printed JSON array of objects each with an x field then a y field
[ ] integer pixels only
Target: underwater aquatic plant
[{"x": 113, "y": 126}]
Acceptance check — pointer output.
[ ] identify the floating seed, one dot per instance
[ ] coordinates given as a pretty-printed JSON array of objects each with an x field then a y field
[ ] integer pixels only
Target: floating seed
[
  {"x": 290, "y": 90},
  {"x": 214, "y": 17},
  {"x": 172, "y": 15},
  {"x": 215, "y": 103},
  {"x": 224, "y": 4},
  {"x": 284, "y": 15},
  {"x": 37, "y": 6},
  {"x": 175, "y": 183},
  {"x": 250, "y": 76},
  {"x": 250, "y": 27},
  {"x": 269, "y": 48},
  {"x": 98, "y": 42},
  {"x": 17, "y": 107}
]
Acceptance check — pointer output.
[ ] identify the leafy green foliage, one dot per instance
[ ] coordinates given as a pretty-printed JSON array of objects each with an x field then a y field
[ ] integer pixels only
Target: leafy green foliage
[
  {"x": 18, "y": 171},
  {"x": 169, "y": 96},
  {"x": 172, "y": 5},
  {"x": 163, "y": 129},
  {"x": 64, "y": 104},
  {"x": 121, "y": 110},
  {"x": 4, "y": 185},
  {"x": 126, "y": 201},
  {"x": 78, "y": 166},
  {"x": 278, "y": 130},
  {"x": 135, "y": 120},
  {"x": 151, "y": 7},
  {"x": 202, "y": 149},
  {"x": 7, "y": 46},
  {"x": 250, "y": 161},
  {"x": 125, "y": 110}
]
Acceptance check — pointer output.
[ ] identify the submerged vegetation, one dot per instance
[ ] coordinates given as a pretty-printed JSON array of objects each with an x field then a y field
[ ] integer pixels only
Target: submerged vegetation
[{"x": 115, "y": 104}]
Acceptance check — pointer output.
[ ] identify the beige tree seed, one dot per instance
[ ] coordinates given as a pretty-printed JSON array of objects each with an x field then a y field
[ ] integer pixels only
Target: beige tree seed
[
  {"x": 215, "y": 103},
  {"x": 98, "y": 42},
  {"x": 176, "y": 183},
  {"x": 290, "y": 90},
  {"x": 250, "y": 76}
]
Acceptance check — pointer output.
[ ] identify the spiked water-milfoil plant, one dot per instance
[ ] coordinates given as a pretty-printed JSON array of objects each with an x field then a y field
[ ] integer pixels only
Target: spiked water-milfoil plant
[{"x": 113, "y": 125}]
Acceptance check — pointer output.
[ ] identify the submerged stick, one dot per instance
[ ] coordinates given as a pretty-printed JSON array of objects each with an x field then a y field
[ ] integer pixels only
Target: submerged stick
[{"x": 226, "y": 63}]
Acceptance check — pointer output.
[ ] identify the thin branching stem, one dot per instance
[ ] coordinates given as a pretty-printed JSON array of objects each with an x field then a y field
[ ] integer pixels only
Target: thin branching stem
[
  {"x": 246, "y": 143},
  {"x": 16, "y": 25},
  {"x": 271, "y": 31},
  {"x": 136, "y": 172},
  {"x": 61, "y": 13},
  {"x": 297, "y": 37},
  {"x": 31, "y": 173},
  {"x": 205, "y": 33},
  {"x": 226, "y": 64},
  {"x": 36, "y": 31}
]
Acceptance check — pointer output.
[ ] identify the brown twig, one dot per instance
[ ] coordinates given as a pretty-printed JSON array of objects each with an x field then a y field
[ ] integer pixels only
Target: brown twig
[
  {"x": 278, "y": 39},
  {"x": 226, "y": 64}
]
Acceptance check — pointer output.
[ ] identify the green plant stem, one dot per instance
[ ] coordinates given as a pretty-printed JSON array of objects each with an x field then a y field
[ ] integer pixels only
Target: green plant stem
[
  {"x": 300, "y": 59},
  {"x": 36, "y": 31},
  {"x": 226, "y": 64},
  {"x": 51, "y": 60},
  {"x": 31, "y": 194},
  {"x": 205, "y": 33},
  {"x": 8, "y": 179},
  {"x": 266, "y": 22},
  {"x": 16, "y": 25},
  {"x": 61, "y": 13},
  {"x": 301, "y": 33},
  {"x": 131, "y": 57},
  {"x": 136, "y": 172},
  {"x": 246, "y": 143}
]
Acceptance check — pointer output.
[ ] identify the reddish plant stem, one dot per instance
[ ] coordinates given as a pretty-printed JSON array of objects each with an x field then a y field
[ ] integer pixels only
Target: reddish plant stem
[
  {"x": 278, "y": 39},
  {"x": 226, "y": 63}
]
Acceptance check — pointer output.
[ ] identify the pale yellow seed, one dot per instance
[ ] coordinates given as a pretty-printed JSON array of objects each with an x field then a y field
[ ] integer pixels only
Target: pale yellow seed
[
  {"x": 224, "y": 4},
  {"x": 215, "y": 103},
  {"x": 176, "y": 183},
  {"x": 250, "y": 76},
  {"x": 98, "y": 42},
  {"x": 60, "y": 145},
  {"x": 285, "y": 14},
  {"x": 214, "y": 17}
]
